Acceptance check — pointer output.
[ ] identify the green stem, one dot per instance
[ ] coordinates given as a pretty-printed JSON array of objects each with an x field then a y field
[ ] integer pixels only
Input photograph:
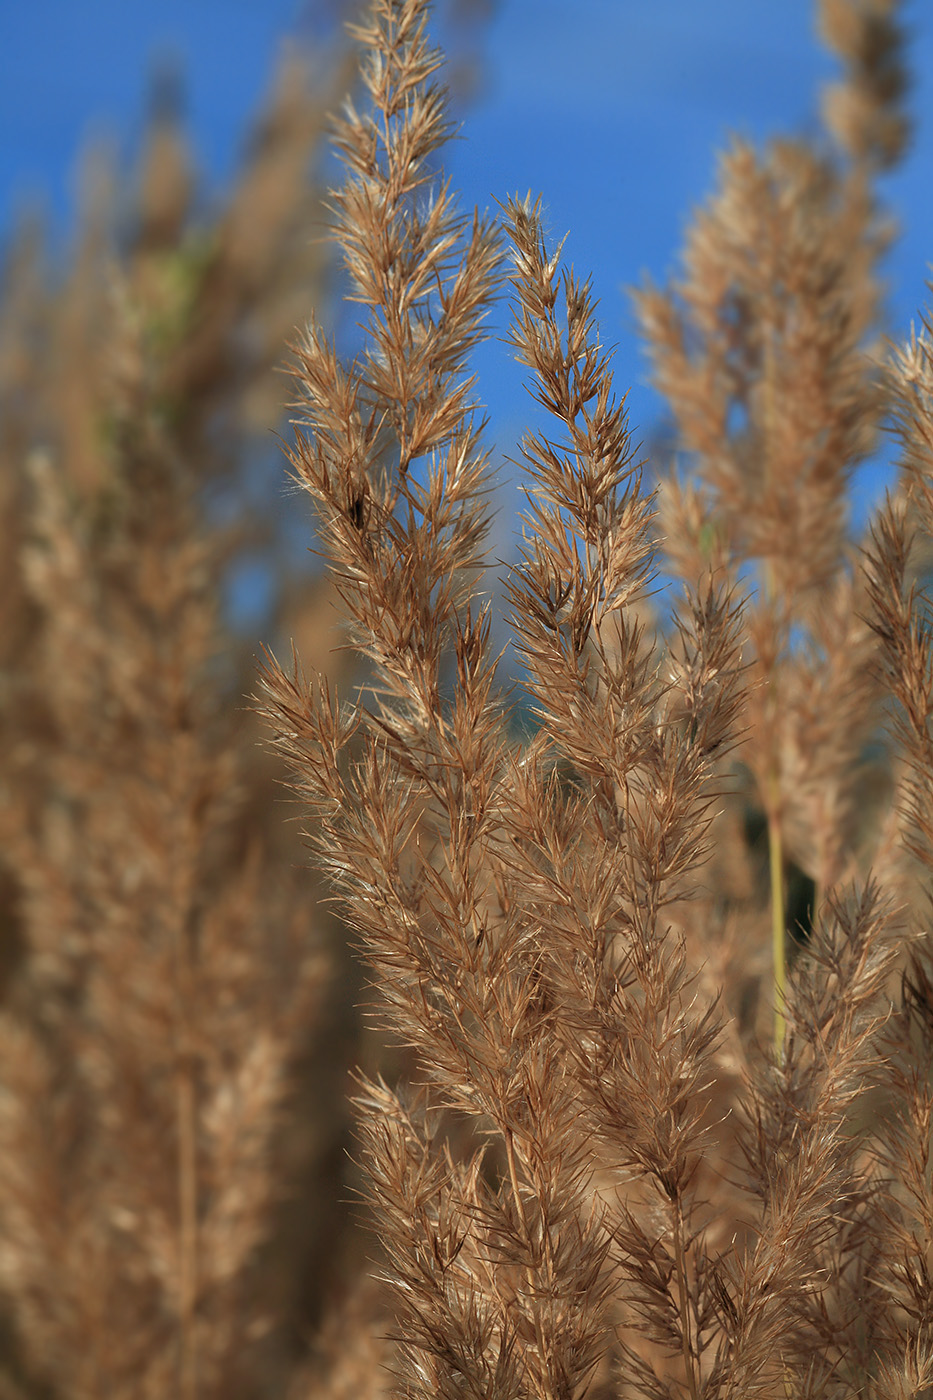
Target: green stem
[{"x": 775, "y": 842}]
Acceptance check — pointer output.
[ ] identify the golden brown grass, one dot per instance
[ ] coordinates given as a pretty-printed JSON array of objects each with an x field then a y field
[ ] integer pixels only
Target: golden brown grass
[
  {"x": 634, "y": 1124},
  {"x": 598, "y": 1177}
]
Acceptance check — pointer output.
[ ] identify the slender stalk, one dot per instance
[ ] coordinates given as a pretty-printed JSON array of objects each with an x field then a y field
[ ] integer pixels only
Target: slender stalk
[
  {"x": 186, "y": 1109},
  {"x": 185, "y": 838},
  {"x": 686, "y": 1332},
  {"x": 778, "y": 918},
  {"x": 540, "y": 1338},
  {"x": 188, "y": 1226},
  {"x": 775, "y": 842}
]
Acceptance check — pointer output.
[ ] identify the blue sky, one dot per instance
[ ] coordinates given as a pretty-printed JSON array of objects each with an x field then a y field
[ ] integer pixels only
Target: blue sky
[{"x": 612, "y": 109}]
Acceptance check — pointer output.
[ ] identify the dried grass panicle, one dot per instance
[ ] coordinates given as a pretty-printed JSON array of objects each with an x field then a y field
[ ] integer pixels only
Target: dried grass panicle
[
  {"x": 767, "y": 353},
  {"x": 865, "y": 111},
  {"x": 160, "y": 1009},
  {"x": 161, "y": 971},
  {"x": 900, "y": 604},
  {"x": 599, "y": 874},
  {"x": 900, "y": 611},
  {"x": 800, "y": 1297}
]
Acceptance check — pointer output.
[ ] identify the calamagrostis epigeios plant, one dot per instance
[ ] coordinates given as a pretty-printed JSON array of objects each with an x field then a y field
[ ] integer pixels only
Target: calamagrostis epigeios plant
[
  {"x": 586, "y": 1176},
  {"x": 762, "y": 352}
]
